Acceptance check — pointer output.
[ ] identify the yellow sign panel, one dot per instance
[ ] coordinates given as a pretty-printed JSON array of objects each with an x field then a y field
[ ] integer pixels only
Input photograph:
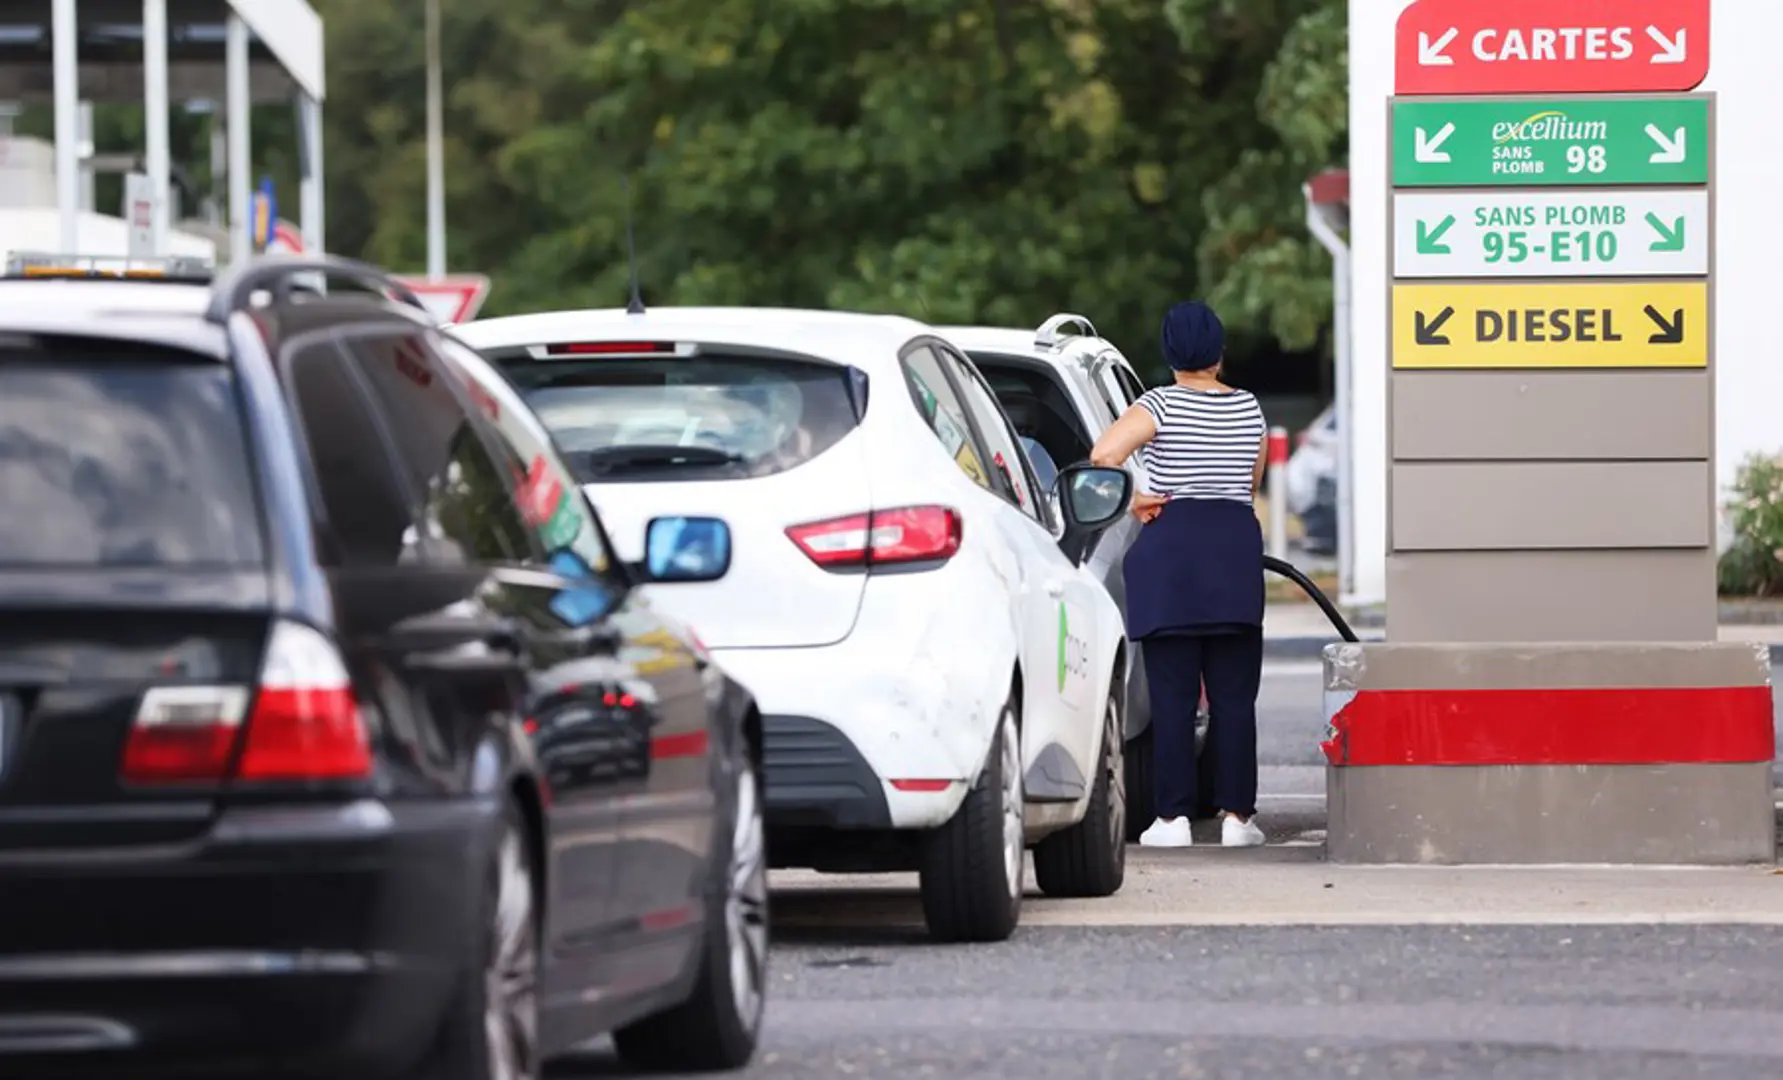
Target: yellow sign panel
[{"x": 1585, "y": 325}]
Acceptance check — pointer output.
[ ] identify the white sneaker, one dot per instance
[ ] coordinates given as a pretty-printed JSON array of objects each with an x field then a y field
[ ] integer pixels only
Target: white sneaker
[
  {"x": 1167, "y": 833},
  {"x": 1236, "y": 833}
]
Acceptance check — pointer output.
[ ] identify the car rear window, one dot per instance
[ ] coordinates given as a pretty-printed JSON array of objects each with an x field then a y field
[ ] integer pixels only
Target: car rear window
[
  {"x": 122, "y": 456},
  {"x": 708, "y": 417}
]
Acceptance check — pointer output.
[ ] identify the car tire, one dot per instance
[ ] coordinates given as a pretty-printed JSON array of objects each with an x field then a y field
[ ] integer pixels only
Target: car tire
[
  {"x": 972, "y": 867},
  {"x": 719, "y": 1025},
  {"x": 1090, "y": 858},
  {"x": 1142, "y": 809},
  {"x": 490, "y": 1028}
]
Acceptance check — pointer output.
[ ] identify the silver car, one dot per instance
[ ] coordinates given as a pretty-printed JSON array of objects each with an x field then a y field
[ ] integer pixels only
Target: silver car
[{"x": 1062, "y": 386}]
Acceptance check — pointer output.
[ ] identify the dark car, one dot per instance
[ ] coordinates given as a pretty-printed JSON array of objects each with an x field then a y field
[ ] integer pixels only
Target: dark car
[{"x": 333, "y": 739}]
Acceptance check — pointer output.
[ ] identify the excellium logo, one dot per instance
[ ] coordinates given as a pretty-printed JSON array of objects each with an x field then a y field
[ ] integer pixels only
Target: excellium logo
[{"x": 1513, "y": 141}]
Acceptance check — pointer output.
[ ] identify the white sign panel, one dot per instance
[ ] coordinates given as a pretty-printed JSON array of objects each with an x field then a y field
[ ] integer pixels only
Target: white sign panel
[
  {"x": 1519, "y": 234},
  {"x": 453, "y": 299},
  {"x": 139, "y": 215}
]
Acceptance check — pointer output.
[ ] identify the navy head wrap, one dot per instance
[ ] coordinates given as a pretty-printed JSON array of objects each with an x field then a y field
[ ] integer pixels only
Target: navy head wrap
[{"x": 1193, "y": 337}]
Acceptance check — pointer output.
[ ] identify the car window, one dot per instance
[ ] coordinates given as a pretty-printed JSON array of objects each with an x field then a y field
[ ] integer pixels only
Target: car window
[
  {"x": 366, "y": 512},
  {"x": 999, "y": 438},
  {"x": 941, "y": 408},
  {"x": 1131, "y": 387},
  {"x": 623, "y": 419},
  {"x": 549, "y": 495},
  {"x": 117, "y": 454},
  {"x": 467, "y": 512},
  {"x": 1037, "y": 403}
]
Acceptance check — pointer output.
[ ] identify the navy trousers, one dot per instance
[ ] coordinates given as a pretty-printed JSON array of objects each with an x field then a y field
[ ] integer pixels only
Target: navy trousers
[{"x": 1231, "y": 666}]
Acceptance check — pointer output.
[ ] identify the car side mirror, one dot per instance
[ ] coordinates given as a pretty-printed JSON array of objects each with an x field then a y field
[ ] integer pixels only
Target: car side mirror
[
  {"x": 1091, "y": 498},
  {"x": 685, "y": 549}
]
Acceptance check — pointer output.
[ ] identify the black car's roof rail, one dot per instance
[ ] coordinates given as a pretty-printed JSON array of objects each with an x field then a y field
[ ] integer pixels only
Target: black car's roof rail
[{"x": 278, "y": 274}]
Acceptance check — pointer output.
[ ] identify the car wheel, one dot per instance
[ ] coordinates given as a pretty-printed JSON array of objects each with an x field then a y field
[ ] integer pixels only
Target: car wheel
[
  {"x": 1090, "y": 858},
  {"x": 718, "y": 1026},
  {"x": 972, "y": 867},
  {"x": 490, "y": 1031},
  {"x": 1137, "y": 764}
]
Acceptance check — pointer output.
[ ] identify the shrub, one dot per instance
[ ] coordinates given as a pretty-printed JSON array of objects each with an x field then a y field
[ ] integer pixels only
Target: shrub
[{"x": 1753, "y": 563}]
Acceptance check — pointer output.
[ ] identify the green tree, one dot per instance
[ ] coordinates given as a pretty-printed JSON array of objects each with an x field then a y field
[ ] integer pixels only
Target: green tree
[{"x": 989, "y": 161}]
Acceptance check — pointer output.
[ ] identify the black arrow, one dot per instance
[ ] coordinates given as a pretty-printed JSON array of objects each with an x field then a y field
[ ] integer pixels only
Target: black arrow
[
  {"x": 1670, "y": 333},
  {"x": 1426, "y": 333}
]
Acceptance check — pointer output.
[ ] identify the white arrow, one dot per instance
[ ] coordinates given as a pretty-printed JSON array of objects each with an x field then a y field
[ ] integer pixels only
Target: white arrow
[
  {"x": 1670, "y": 52},
  {"x": 1432, "y": 55},
  {"x": 1671, "y": 151},
  {"x": 1430, "y": 151}
]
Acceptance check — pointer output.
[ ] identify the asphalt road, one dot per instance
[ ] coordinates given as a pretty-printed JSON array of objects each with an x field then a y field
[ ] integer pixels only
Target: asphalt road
[
  {"x": 858, "y": 992},
  {"x": 1289, "y": 1003}
]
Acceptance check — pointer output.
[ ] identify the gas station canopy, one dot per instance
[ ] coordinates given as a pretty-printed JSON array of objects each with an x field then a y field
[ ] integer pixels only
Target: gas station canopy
[{"x": 284, "y": 56}]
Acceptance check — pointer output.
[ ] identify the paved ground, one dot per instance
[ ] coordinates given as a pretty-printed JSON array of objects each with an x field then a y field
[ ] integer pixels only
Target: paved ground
[
  {"x": 1529, "y": 1003},
  {"x": 1274, "y": 965}
]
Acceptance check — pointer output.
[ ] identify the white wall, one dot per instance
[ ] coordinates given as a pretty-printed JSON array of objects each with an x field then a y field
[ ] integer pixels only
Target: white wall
[{"x": 1748, "y": 183}]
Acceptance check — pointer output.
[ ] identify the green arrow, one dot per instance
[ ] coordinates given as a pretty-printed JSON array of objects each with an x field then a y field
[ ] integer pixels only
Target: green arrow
[
  {"x": 1430, "y": 241},
  {"x": 1671, "y": 239}
]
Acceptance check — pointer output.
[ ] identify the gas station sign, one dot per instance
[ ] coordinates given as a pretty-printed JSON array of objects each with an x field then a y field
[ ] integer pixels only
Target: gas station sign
[
  {"x": 1551, "y": 46},
  {"x": 1583, "y": 325},
  {"x": 1657, "y": 233},
  {"x": 1477, "y": 142}
]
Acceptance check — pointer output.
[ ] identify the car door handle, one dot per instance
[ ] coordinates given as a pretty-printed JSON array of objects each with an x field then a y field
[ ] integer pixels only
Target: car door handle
[{"x": 1054, "y": 588}]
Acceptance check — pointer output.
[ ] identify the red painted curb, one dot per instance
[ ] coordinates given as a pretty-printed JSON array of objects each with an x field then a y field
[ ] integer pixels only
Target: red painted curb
[{"x": 1554, "y": 727}]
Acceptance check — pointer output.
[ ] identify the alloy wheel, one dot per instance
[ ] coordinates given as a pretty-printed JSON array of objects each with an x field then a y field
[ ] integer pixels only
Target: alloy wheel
[
  {"x": 1117, "y": 779},
  {"x": 510, "y": 1014},
  {"x": 746, "y": 903},
  {"x": 1013, "y": 846}
]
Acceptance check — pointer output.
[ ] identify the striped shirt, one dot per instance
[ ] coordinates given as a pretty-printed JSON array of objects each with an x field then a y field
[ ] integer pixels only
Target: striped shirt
[{"x": 1207, "y": 442}]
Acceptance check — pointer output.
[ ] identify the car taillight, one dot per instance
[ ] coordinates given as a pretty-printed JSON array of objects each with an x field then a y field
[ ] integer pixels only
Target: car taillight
[
  {"x": 304, "y": 724},
  {"x": 907, "y": 534}
]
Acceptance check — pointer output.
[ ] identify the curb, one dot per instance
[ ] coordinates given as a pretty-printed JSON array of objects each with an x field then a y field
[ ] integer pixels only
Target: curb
[{"x": 1313, "y": 648}]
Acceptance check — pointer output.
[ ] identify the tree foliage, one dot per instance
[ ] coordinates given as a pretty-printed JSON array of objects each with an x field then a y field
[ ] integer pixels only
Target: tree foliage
[{"x": 984, "y": 161}]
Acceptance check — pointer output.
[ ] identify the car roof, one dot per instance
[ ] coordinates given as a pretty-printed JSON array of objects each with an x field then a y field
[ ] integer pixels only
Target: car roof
[
  {"x": 156, "y": 312},
  {"x": 1016, "y": 342},
  {"x": 865, "y": 340}
]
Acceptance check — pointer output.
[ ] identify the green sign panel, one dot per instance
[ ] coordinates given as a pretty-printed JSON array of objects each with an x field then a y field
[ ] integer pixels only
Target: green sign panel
[{"x": 1527, "y": 142}]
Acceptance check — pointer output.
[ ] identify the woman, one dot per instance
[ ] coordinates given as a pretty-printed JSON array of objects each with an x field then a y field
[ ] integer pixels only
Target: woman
[{"x": 1194, "y": 575}]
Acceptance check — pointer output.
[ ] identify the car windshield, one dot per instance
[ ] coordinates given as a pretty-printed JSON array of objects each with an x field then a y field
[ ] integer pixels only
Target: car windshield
[
  {"x": 122, "y": 456},
  {"x": 705, "y": 417}
]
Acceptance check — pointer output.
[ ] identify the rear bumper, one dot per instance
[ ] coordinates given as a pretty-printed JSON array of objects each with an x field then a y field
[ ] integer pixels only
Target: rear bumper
[
  {"x": 308, "y": 940},
  {"x": 849, "y": 712},
  {"x": 817, "y": 779}
]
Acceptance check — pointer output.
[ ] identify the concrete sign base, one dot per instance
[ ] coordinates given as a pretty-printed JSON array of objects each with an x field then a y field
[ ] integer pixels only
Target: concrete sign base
[{"x": 1561, "y": 753}]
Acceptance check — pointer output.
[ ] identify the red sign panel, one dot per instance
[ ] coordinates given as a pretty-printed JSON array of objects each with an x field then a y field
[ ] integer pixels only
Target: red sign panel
[{"x": 1551, "y": 46}]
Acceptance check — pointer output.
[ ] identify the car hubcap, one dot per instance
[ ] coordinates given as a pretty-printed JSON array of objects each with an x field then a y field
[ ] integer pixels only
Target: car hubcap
[
  {"x": 510, "y": 1017},
  {"x": 1117, "y": 782},
  {"x": 746, "y": 905},
  {"x": 1012, "y": 803}
]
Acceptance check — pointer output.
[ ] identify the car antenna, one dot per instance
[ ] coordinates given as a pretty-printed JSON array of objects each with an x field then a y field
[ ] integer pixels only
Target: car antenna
[{"x": 635, "y": 305}]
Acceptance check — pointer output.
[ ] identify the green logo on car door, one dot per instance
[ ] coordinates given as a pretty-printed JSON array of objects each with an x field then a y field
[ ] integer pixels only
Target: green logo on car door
[
  {"x": 1064, "y": 636},
  {"x": 1074, "y": 655}
]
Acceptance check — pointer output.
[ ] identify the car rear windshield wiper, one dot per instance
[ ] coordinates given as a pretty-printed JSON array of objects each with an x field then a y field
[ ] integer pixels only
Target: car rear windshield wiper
[{"x": 612, "y": 459}]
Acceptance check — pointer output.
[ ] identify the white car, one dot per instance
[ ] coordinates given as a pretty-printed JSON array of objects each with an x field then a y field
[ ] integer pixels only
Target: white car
[{"x": 940, "y": 678}]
